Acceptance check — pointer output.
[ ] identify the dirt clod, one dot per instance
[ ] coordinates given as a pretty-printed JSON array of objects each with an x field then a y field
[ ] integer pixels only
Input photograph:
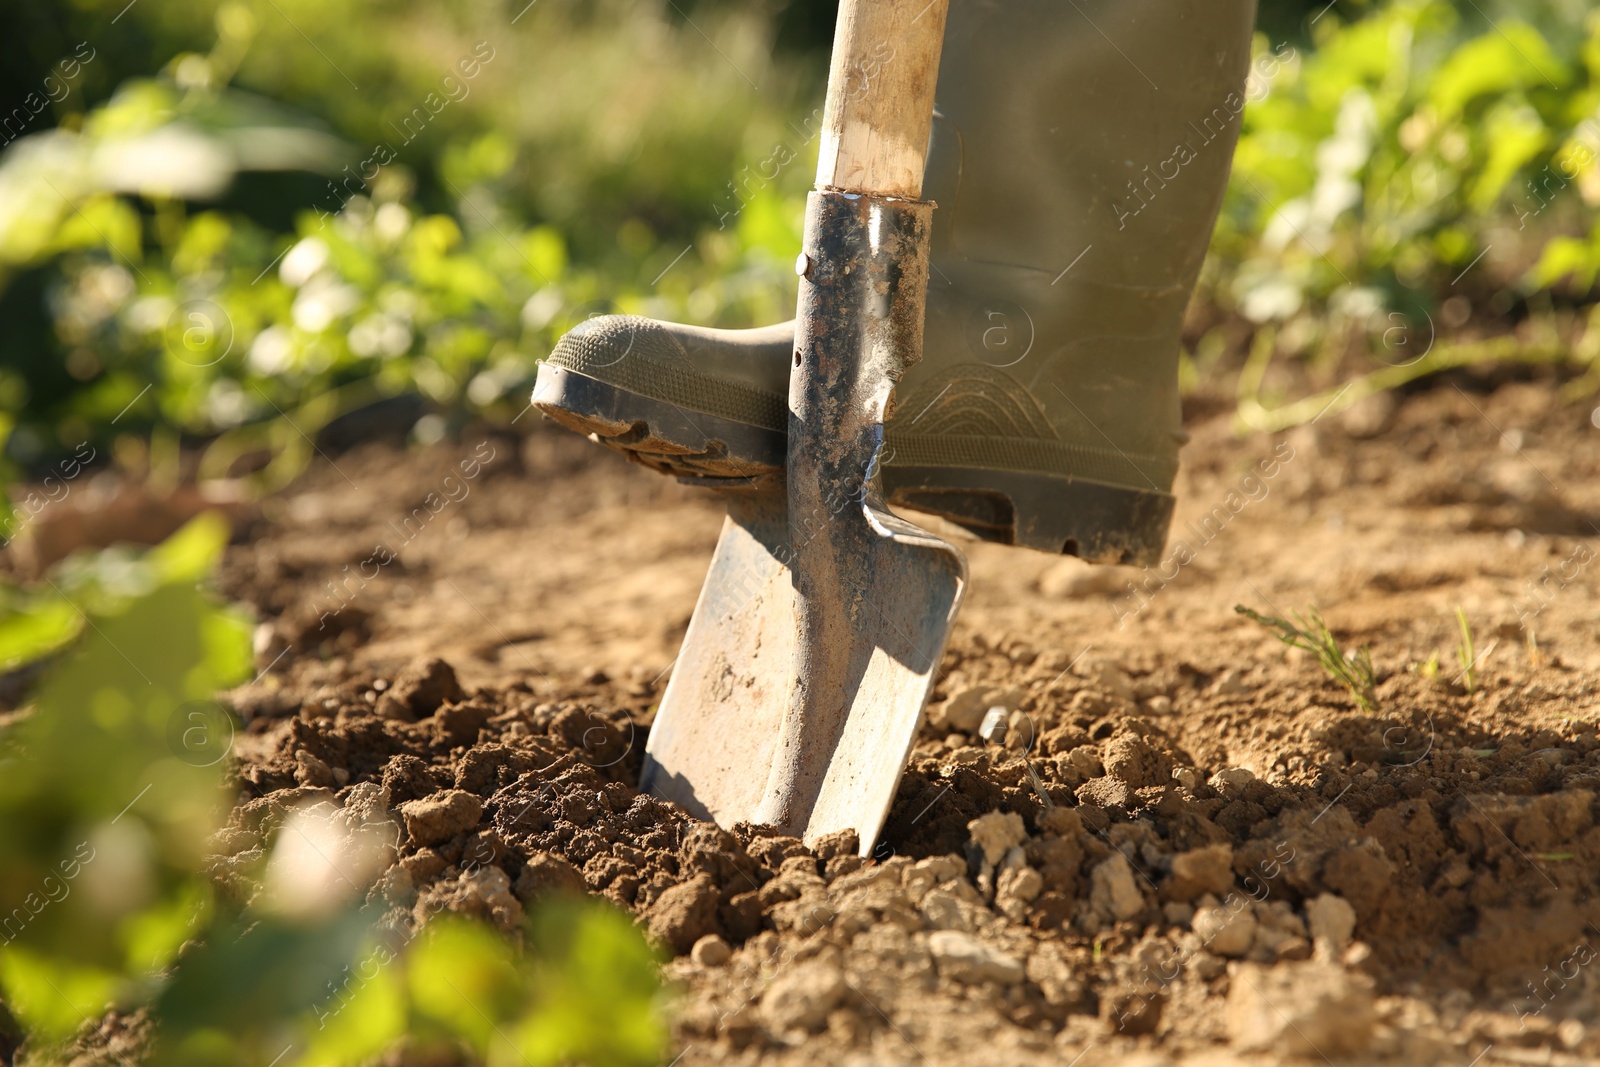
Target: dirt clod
[
  {"x": 1331, "y": 919},
  {"x": 685, "y": 913},
  {"x": 1458, "y": 830},
  {"x": 802, "y": 998},
  {"x": 963, "y": 958},
  {"x": 1113, "y": 894},
  {"x": 1200, "y": 871},
  {"x": 1308, "y": 1010},
  {"x": 437, "y": 818},
  {"x": 419, "y": 691}
]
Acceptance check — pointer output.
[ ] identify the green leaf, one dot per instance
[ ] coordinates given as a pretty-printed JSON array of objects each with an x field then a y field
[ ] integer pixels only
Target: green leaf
[
  {"x": 37, "y": 629},
  {"x": 51, "y": 996},
  {"x": 191, "y": 553},
  {"x": 1515, "y": 135},
  {"x": 1513, "y": 56}
]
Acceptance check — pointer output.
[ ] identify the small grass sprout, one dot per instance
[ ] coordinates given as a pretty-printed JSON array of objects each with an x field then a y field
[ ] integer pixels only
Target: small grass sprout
[
  {"x": 1352, "y": 670},
  {"x": 1466, "y": 654}
]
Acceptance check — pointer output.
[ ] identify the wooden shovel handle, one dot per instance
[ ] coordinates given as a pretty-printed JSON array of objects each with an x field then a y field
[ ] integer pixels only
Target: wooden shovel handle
[{"x": 880, "y": 96}]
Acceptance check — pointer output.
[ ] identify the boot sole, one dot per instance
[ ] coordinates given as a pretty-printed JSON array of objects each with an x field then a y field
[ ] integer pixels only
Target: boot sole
[
  {"x": 1061, "y": 515},
  {"x": 656, "y": 433}
]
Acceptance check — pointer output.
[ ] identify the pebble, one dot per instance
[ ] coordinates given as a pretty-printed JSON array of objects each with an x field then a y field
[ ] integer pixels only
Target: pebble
[
  {"x": 964, "y": 958},
  {"x": 964, "y": 711},
  {"x": 1310, "y": 1010},
  {"x": 802, "y": 998},
  {"x": 1231, "y": 782},
  {"x": 1231, "y": 683},
  {"x": 995, "y": 833},
  {"x": 1016, "y": 888},
  {"x": 1112, "y": 890},
  {"x": 711, "y": 951},
  {"x": 1331, "y": 919},
  {"x": 1225, "y": 932}
]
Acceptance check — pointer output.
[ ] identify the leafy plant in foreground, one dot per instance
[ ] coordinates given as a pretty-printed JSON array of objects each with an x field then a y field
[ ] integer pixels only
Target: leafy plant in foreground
[
  {"x": 113, "y": 780},
  {"x": 1354, "y": 670}
]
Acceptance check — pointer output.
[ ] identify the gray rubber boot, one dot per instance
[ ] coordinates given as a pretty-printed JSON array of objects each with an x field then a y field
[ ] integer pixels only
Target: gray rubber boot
[{"x": 1078, "y": 160}]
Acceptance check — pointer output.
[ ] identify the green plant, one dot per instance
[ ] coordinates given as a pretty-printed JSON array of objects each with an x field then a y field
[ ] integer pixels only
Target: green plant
[
  {"x": 1417, "y": 166},
  {"x": 113, "y": 778},
  {"x": 1466, "y": 654},
  {"x": 1353, "y": 670}
]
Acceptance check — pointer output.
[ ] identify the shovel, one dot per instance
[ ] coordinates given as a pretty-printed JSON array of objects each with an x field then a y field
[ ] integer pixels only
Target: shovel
[{"x": 811, "y": 652}]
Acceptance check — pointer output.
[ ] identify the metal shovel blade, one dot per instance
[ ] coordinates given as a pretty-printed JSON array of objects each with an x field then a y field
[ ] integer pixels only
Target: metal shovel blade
[
  {"x": 712, "y": 739},
  {"x": 811, "y": 653},
  {"x": 715, "y": 743},
  {"x": 876, "y": 595}
]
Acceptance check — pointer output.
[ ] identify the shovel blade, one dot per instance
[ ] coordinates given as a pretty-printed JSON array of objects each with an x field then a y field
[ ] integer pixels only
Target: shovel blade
[
  {"x": 717, "y": 732},
  {"x": 899, "y": 616},
  {"x": 714, "y": 730}
]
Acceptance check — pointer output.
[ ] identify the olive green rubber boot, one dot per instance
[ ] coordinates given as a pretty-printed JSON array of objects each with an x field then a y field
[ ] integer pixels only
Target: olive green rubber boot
[{"x": 1078, "y": 161}]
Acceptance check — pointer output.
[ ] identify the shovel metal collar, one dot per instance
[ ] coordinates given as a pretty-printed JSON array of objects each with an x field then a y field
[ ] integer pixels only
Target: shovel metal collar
[{"x": 874, "y": 595}]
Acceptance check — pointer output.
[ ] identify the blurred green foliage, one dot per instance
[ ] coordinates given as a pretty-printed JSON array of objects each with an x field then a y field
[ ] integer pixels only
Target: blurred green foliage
[
  {"x": 314, "y": 204},
  {"x": 114, "y": 779},
  {"x": 1409, "y": 188}
]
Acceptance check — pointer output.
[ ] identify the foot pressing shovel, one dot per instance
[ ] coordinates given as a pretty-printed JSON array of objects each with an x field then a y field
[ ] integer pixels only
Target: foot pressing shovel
[{"x": 810, "y": 655}]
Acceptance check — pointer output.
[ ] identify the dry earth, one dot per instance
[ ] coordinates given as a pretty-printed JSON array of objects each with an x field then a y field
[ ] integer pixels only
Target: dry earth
[{"x": 1194, "y": 847}]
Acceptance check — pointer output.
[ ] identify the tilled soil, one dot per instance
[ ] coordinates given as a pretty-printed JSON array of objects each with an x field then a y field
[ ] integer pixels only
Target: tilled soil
[{"x": 1191, "y": 846}]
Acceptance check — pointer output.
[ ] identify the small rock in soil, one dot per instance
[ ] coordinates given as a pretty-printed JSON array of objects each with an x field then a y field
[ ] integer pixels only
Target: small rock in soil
[
  {"x": 964, "y": 958},
  {"x": 544, "y": 874},
  {"x": 1331, "y": 919},
  {"x": 996, "y": 833},
  {"x": 1200, "y": 871},
  {"x": 1016, "y": 888},
  {"x": 1231, "y": 782},
  {"x": 802, "y": 998},
  {"x": 1224, "y": 931},
  {"x": 1113, "y": 895},
  {"x": 685, "y": 913},
  {"x": 419, "y": 691},
  {"x": 1231, "y": 683},
  {"x": 437, "y": 818},
  {"x": 1280, "y": 933},
  {"x": 1311, "y": 1010},
  {"x": 711, "y": 951},
  {"x": 964, "y": 711}
]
